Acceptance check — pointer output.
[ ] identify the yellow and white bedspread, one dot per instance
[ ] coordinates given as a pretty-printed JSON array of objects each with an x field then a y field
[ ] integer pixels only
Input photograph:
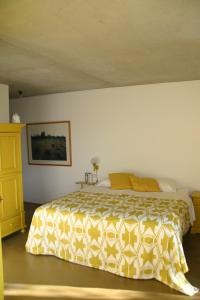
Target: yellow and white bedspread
[{"x": 132, "y": 236}]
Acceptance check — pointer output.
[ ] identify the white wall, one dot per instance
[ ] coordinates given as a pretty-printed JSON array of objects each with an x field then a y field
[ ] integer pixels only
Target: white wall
[
  {"x": 4, "y": 104},
  {"x": 153, "y": 130}
]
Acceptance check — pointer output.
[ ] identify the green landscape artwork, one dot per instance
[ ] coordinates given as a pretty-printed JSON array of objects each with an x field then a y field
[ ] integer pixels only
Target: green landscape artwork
[
  {"x": 48, "y": 147},
  {"x": 49, "y": 143}
]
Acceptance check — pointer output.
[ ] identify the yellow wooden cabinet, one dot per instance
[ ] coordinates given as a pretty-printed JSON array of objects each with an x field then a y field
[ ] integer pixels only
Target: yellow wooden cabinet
[
  {"x": 11, "y": 189},
  {"x": 196, "y": 203}
]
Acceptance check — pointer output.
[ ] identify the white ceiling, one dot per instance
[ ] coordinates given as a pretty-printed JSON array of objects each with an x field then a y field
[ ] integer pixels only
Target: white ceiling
[{"x": 50, "y": 46}]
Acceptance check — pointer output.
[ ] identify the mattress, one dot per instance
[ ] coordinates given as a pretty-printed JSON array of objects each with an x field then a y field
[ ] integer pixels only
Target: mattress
[{"x": 135, "y": 235}]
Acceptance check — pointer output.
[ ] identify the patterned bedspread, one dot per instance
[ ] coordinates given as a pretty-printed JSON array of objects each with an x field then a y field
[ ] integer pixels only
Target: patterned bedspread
[{"x": 134, "y": 237}]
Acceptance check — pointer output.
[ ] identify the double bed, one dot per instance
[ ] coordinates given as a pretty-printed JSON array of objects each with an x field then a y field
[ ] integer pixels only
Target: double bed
[{"x": 132, "y": 234}]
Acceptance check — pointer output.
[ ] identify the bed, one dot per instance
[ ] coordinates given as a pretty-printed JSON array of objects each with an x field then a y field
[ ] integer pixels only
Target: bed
[{"x": 132, "y": 234}]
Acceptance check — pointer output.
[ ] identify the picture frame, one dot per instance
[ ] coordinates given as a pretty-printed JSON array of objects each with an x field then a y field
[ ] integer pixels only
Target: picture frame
[{"x": 49, "y": 143}]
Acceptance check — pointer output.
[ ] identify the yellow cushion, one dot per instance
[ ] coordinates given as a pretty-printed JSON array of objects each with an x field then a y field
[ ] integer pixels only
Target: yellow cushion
[
  {"x": 120, "y": 181},
  {"x": 141, "y": 184}
]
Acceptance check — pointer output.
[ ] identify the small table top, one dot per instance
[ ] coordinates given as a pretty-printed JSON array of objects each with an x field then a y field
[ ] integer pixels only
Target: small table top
[
  {"x": 87, "y": 183},
  {"x": 82, "y": 183}
]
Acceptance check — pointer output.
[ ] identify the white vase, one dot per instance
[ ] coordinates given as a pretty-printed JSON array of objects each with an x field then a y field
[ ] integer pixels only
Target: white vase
[{"x": 15, "y": 118}]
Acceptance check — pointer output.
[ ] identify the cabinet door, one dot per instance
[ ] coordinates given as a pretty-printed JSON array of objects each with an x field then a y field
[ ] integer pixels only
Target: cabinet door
[
  {"x": 11, "y": 196},
  {"x": 10, "y": 156}
]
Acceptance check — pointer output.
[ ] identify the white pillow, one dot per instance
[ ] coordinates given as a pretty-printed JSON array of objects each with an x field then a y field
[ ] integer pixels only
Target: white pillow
[
  {"x": 167, "y": 185},
  {"x": 105, "y": 183}
]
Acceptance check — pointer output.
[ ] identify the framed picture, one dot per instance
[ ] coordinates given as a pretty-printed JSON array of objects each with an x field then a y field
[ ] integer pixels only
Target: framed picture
[{"x": 49, "y": 143}]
